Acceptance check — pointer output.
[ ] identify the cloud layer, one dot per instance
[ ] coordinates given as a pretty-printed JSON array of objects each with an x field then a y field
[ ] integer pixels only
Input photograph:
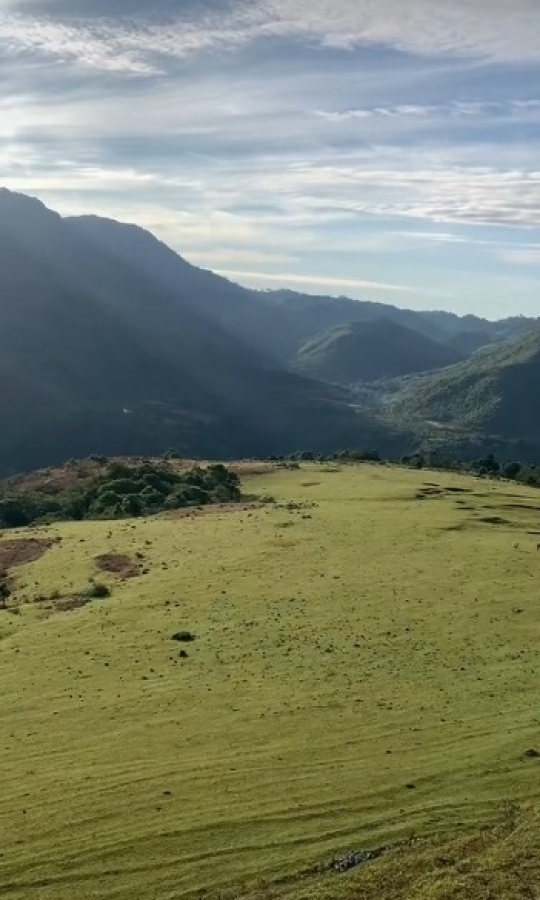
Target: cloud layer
[{"x": 368, "y": 145}]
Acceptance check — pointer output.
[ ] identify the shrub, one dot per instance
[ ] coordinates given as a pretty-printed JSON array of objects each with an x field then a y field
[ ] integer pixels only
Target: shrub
[
  {"x": 132, "y": 506},
  {"x": 13, "y": 514},
  {"x": 184, "y": 637},
  {"x": 98, "y": 591}
]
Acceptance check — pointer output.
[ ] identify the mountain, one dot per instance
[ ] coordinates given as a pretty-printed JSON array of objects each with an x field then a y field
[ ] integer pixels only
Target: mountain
[
  {"x": 369, "y": 351},
  {"x": 494, "y": 393},
  {"x": 114, "y": 344},
  {"x": 468, "y": 342},
  {"x": 99, "y": 356},
  {"x": 278, "y": 323}
]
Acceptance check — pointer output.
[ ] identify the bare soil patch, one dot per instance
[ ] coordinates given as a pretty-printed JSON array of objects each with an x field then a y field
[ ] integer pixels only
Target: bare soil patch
[
  {"x": 122, "y": 566},
  {"x": 22, "y": 551},
  {"x": 69, "y": 604}
]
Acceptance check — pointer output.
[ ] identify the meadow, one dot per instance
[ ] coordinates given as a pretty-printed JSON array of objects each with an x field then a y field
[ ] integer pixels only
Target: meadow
[{"x": 365, "y": 674}]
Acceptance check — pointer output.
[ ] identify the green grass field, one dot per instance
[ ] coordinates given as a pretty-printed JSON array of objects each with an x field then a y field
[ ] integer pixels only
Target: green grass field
[{"x": 366, "y": 669}]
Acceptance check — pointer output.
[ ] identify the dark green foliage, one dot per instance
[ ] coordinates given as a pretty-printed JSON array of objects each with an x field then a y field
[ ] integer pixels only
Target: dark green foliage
[
  {"x": 511, "y": 470},
  {"x": 98, "y": 591},
  {"x": 122, "y": 490},
  {"x": 486, "y": 467},
  {"x": 492, "y": 394},
  {"x": 5, "y": 592},
  {"x": 13, "y": 514}
]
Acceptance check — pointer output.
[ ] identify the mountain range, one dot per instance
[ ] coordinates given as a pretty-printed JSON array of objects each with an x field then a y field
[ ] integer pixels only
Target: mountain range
[{"x": 114, "y": 344}]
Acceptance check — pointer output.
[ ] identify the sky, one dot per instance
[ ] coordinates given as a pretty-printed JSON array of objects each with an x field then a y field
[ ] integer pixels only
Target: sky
[{"x": 379, "y": 149}]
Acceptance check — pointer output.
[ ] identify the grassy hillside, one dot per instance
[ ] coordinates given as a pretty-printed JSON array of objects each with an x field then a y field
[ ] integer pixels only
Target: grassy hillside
[
  {"x": 365, "y": 668},
  {"x": 369, "y": 351},
  {"x": 495, "y": 392}
]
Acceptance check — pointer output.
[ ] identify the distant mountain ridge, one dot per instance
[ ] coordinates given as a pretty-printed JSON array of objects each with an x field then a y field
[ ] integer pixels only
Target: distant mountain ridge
[
  {"x": 99, "y": 356},
  {"x": 278, "y": 322},
  {"x": 114, "y": 344}
]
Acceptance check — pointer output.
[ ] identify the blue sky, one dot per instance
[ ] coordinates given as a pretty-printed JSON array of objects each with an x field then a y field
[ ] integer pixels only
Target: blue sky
[{"x": 380, "y": 149}]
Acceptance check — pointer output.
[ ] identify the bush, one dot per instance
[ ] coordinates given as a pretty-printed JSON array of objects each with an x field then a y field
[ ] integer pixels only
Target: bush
[
  {"x": 122, "y": 491},
  {"x": 98, "y": 591},
  {"x": 184, "y": 637},
  {"x": 13, "y": 514},
  {"x": 132, "y": 506}
]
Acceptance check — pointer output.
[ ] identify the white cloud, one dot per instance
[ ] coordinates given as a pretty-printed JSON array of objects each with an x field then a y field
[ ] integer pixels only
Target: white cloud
[
  {"x": 318, "y": 280},
  {"x": 457, "y": 109},
  {"x": 500, "y": 29},
  {"x": 529, "y": 256}
]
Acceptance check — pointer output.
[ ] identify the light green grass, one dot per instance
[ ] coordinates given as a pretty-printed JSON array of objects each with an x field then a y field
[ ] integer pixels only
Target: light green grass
[{"x": 339, "y": 658}]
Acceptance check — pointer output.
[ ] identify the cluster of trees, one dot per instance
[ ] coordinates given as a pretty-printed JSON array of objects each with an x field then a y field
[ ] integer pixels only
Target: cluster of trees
[
  {"x": 343, "y": 455},
  {"x": 485, "y": 466},
  {"x": 122, "y": 490}
]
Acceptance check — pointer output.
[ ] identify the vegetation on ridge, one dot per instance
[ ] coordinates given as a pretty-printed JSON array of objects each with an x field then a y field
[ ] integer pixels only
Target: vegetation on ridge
[
  {"x": 494, "y": 392},
  {"x": 120, "y": 489}
]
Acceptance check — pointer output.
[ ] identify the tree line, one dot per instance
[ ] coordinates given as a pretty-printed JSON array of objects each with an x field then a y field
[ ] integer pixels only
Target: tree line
[
  {"x": 487, "y": 466},
  {"x": 123, "y": 490}
]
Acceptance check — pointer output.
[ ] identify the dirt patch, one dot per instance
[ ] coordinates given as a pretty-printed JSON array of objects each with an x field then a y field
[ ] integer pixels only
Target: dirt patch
[
  {"x": 23, "y": 551},
  {"x": 120, "y": 565},
  {"x": 68, "y": 604}
]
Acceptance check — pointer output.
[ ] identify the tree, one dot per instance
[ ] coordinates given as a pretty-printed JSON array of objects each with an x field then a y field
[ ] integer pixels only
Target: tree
[
  {"x": 13, "y": 514},
  {"x": 132, "y": 506},
  {"x": 5, "y": 592},
  {"x": 511, "y": 470}
]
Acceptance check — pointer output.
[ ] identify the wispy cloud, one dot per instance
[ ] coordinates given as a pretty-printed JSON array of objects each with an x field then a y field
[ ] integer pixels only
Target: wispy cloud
[
  {"x": 128, "y": 37},
  {"x": 526, "y": 257},
  {"x": 353, "y": 145},
  {"x": 452, "y": 110},
  {"x": 320, "y": 281}
]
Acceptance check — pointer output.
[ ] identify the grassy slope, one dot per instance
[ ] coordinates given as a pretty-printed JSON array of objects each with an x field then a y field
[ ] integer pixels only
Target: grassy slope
[{"x": 276, "y": 751}]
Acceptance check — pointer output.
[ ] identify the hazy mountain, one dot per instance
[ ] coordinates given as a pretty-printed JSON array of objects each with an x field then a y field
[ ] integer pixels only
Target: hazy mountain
[
  {"x": 369, "y": 351},
  {"x": 99, "y": 356},
  {"x": 496, "y": 393},
  {"x": 277, "y": 322},
  {"x": 112, "y": 343},
  {"x": 468, "y": 342}
]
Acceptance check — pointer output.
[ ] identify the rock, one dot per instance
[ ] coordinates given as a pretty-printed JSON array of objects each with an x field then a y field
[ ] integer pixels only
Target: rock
[
  {"x": 183, "y": 637},
  {"x": 356, "y": 858},
  {"x": 183, "y": 654},
  {"x": 532, "y": 754}
]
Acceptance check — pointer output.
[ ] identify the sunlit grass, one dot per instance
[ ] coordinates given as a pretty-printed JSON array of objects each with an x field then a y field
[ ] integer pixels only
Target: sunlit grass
[{"x": 366, "y": 667}]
